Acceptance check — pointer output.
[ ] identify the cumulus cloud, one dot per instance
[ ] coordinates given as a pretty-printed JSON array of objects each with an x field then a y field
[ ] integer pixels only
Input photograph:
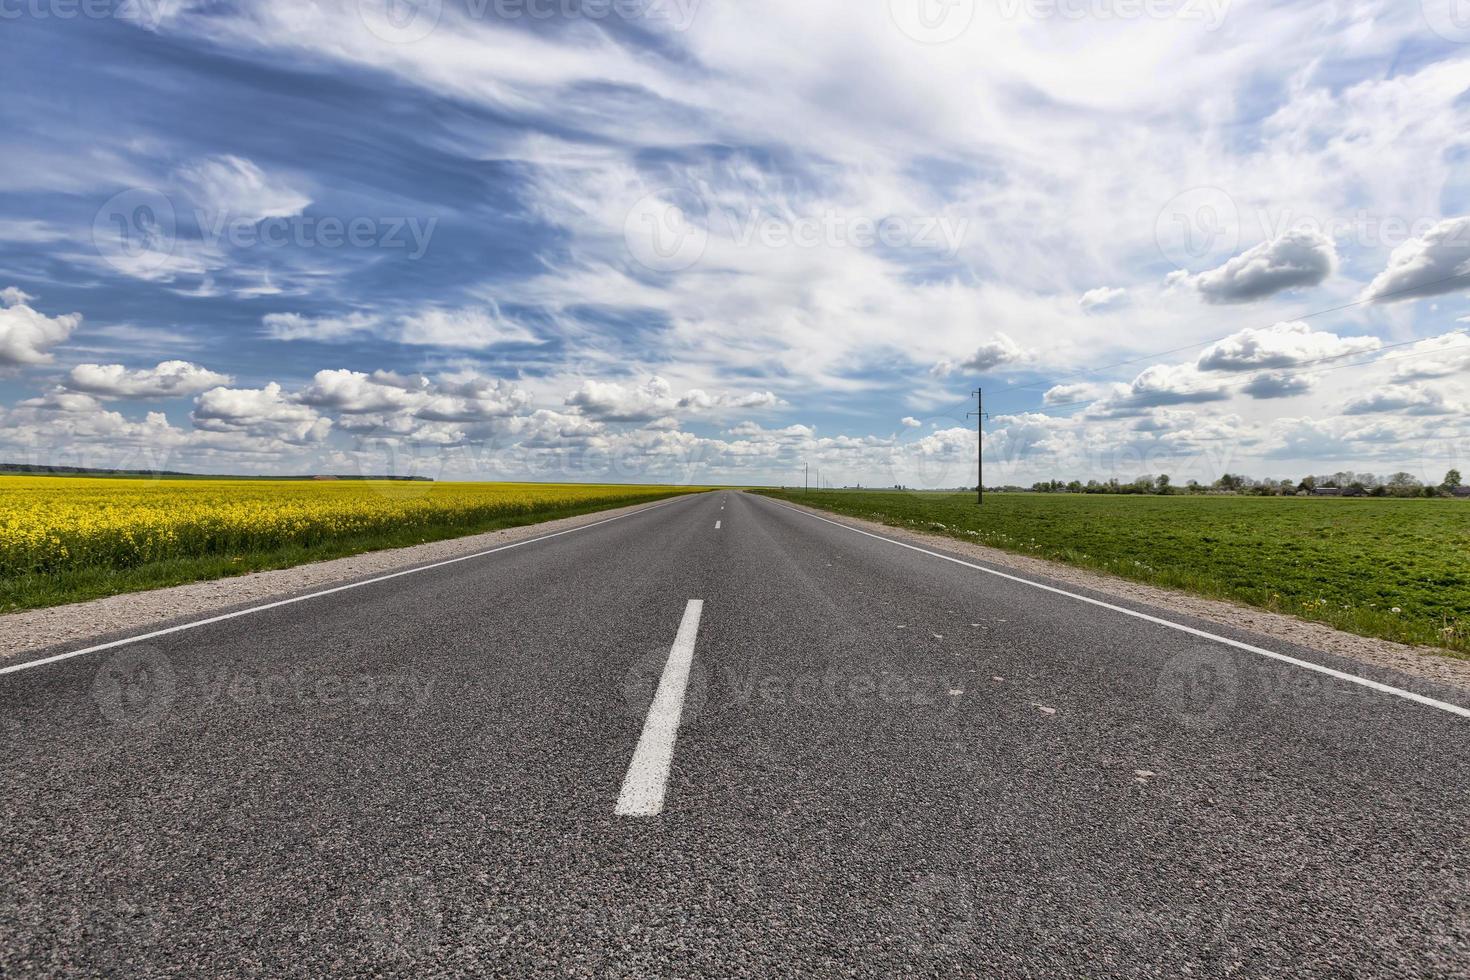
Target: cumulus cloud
[
  {"x": 1437, "y": 357},
  {"x": 909, "y": 422},
  {"x": 170, "y": 379},
  {"x": 1160, "y": 385},
  {"x": 1283, "y": 345},
  {"x": 471, "y": 398},
  {"x": 611, "y": 401},
  {"x": 1101, "y": 298},
  {"x": 1296, "y": 260},
  {"x": 354, "y": 392},
  {"x": 265, "y": 412},
  {"x": 26, "y": 335},
  {"x": 1408, "y": 399},
  {"x": 992, "y": 354},
  {"x": 1421, "y": 266},
  {"x": 1277, "y": 384},
  {"x": 1068, "y": 394},
  {"x": 14, "y": 296},
  {"x": 240, "y": 190}
]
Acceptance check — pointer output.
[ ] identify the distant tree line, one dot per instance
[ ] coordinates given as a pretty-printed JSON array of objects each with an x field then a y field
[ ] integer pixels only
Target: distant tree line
[{"x": 1346, "y": 483}]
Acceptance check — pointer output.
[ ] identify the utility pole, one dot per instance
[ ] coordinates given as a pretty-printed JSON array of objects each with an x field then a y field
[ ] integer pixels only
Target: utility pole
[
  {"x": 806, "y": 480},
  {"x": 980, "y": 418}
]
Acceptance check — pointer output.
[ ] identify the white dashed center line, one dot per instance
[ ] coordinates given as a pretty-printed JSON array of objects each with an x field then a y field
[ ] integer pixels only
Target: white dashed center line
[
  {"x": 648, "y": 774},
  {"x": 717, "y": 525}
]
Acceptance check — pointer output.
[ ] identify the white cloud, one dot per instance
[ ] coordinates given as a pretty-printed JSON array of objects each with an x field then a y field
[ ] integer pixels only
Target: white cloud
[
  {"x": 1283, "y": 345},
  {"x": 1102, "y": 297},
  {"x": 326, "y": 329},
  {"x": 1069, "y": 394},
  {"x": 909, "y": 422},
  {"x": 264, "y": 412},
  {"x": 1298, "y": 259},
  {"x": 611, "y": 401},
  {"x": 170, "y": 379},
  {"x": 1160, "y": 385},
  {"x": 353, "y": 392},
  {"x": 1408, "y": 399},
  {"x": 988, "y": 356},
  {"x": 1421, "y": 266},
  {"x": 470, "y": 329},
  {"x": 26, "y": 335},
  {"x": 470, "y": 398},
  {"x": 237, "y": 189},
  {"x": 13, "y": 296},
  {"x": 1438, "y": 357},
  {"x": 1277, "y": 384}
]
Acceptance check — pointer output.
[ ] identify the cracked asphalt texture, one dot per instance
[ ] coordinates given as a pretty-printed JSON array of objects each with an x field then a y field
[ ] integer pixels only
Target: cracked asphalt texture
[{"x": 889, "y": 765}]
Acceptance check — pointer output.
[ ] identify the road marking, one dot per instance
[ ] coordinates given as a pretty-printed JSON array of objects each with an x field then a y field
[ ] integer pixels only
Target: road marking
[
  {"x": 317, "y": 595},
  {"x": 648, "y": 774},
  {"x": 717, "y": 525},
  {"x": 1248, "y": 648}
]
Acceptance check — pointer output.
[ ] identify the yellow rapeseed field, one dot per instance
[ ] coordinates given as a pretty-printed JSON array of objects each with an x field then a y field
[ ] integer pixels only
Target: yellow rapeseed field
[{"x": 50, "y": 525}]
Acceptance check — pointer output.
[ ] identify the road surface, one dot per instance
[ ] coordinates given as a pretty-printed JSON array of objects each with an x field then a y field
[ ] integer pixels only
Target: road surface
[{"x": 724, "y": 737}]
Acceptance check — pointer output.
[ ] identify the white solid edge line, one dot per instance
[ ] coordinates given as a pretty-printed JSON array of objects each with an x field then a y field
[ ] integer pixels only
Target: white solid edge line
[
  {"x": 1260, "y": 651},
  {"x": 643, "y": 789},
  {"x": 325, "y": 592}
]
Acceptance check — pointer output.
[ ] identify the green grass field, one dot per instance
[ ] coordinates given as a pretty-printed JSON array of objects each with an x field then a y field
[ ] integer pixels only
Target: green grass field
[{"x": 1396, "y": 569}]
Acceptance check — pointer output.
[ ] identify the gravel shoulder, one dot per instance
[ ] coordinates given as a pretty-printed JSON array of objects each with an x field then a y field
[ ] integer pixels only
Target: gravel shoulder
[
  {"x": 80, "y": 623},
  {"x": 1425, "y": 663}
]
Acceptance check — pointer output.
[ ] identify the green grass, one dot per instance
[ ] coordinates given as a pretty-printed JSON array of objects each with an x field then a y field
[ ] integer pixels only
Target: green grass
[
  {"x": 38, "y": 591},
  {"x": 1346, "y": 563}
]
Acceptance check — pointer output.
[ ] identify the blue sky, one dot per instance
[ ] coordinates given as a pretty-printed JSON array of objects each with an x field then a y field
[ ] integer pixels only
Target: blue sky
[{"x": 709, "y": 241}]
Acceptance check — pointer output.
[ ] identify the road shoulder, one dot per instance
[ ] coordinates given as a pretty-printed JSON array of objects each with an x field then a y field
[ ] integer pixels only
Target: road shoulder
[
  {"x": 1425, "y": 663},
  {"x": 36, "y": 630}
]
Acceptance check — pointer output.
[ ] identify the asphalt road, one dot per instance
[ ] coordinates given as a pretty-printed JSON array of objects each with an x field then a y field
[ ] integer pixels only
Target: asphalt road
[{"x": 886, "y": 764}]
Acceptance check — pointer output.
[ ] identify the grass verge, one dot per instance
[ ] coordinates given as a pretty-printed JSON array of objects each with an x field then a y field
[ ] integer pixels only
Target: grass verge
[{"x": 1392, "y": 569}]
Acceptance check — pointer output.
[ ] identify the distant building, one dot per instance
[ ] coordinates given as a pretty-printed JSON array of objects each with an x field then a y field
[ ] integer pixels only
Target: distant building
[
  {"x": 1327, "y": 491},
  {"x": 1460, "y": 491},
  {"x": 1354, "y": 492}
]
